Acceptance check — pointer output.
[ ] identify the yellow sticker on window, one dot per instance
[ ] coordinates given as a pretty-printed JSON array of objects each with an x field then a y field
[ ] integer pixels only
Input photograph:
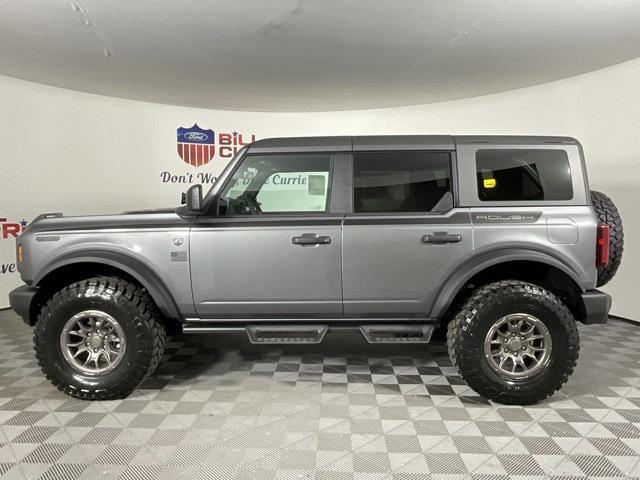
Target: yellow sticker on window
[{"x": 489, "y": 183}]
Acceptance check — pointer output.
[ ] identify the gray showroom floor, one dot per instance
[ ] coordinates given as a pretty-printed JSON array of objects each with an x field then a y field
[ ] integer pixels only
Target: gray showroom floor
[{"x": 221, "y": 408}]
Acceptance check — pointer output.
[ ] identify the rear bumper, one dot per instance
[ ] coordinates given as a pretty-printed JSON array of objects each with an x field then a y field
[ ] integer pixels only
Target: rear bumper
[
  {"x": 596, "y": 306},
  {"x": 21, "y": 299}
]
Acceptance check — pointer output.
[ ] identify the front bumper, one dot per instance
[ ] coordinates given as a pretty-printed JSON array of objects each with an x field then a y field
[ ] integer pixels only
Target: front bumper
[
  {"x": 21, "y": 299},
  {"x": 596, "y": 306}
]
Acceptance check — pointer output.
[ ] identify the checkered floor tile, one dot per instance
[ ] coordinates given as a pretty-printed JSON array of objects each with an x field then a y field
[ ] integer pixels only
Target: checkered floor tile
[{"x": 220, "y": 408}]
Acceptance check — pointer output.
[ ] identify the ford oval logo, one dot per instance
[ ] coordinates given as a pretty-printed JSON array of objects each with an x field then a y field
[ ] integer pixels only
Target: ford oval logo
[{"x": 196, "y": 136}]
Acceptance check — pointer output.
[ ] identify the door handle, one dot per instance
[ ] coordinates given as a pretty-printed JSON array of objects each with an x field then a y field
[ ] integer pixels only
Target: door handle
[
  {"x": 311, "y": 239},
  {"x": 442, "y": 237}
]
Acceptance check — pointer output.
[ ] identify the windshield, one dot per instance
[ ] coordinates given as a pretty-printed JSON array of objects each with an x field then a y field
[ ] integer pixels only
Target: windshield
[{"x": 224, "y": 173}]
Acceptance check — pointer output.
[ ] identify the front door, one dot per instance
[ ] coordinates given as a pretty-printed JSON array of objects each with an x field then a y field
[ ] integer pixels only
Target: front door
[
  {"x": 271, "y": 248},
  {"x": 404, "y": 236}
]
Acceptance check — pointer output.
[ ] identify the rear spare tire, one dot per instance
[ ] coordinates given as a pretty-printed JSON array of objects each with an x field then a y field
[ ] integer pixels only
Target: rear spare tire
[{"x": 608, "y": 213}]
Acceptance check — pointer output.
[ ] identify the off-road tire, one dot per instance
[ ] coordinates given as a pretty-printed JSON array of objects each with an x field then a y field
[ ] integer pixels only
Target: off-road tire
[
  {"x": 608, "y": 213},
  {"x": 469, "y": 327},
  {"x": 136, "y": 313}
]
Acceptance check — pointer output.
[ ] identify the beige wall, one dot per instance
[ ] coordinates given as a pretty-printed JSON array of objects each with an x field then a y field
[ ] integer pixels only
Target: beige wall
[{"x": 78, "y": 153}]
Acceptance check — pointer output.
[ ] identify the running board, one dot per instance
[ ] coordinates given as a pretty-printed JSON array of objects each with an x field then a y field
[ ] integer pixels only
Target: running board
[
  {"x": 393, "y": 333},
  {"x": 315, "y": 333}
]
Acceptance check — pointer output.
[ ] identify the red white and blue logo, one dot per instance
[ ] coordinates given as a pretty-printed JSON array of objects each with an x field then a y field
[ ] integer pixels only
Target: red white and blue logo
[
  {"x": 196, "y": 146},
  {"x": 10, "y": 229}
]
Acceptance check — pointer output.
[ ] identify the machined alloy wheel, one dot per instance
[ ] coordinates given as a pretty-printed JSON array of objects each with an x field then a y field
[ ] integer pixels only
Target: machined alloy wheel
[
  {"x": 501, "y": 342},
  {"x": 518, "y": 346},
  {"x": 92, "y": 342},
  {"x": 98, "y": 338}
]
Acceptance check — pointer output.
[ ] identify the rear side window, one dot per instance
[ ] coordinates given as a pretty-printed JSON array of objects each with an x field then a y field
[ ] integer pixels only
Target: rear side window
[
  {"x": 522, "y": 175},
  {"x": 401, "y": 182}
]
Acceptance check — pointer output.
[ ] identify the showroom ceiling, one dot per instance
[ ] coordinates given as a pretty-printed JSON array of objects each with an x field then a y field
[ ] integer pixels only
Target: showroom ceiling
[{"x": 296, "y": 55}]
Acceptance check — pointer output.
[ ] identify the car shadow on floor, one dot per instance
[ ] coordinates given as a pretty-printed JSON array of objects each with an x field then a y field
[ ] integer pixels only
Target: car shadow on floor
[
  {"x": 226, "y": 360},
  {"x": 193, "y": 358}
]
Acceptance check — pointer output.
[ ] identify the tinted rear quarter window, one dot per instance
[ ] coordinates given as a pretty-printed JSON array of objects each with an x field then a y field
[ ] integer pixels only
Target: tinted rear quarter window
[
  {"x": 401, "y": 181},
  {"x": 523, "y": 175}
]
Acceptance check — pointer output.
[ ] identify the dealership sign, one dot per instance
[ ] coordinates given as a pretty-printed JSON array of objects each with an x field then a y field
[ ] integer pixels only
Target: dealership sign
[
  {"x": 195, "y": 145},
  {"x": 11, "y": 229},
  {"x": 8, "y": 268},
  {"x": 198, "y": 147}
]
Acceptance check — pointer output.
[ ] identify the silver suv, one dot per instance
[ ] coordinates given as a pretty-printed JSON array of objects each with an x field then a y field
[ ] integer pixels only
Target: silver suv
[{"x": 496, "y": 239}]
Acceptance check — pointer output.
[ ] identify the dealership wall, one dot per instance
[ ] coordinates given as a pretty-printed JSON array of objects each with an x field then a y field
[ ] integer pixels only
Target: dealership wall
[{"x": 65, "y": 151}]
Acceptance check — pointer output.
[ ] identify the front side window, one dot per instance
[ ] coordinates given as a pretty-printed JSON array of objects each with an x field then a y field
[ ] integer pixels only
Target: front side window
[
  {"x": 523, "y": 175},
  {"x": 264, "y": 184},
  {"x": 401, "y": 181}
]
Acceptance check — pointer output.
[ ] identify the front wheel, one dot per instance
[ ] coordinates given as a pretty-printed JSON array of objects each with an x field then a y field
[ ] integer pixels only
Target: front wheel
[
  {"x": 99, "y": 338},
  {"x": 514, "y": 342}
]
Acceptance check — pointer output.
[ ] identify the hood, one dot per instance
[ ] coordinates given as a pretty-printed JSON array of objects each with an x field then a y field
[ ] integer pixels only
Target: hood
[
  {"x": 151, "y": 210},
  {"x": 157, "y": 218}
]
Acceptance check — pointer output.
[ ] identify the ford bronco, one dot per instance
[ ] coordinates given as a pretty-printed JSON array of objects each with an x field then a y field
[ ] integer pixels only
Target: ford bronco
[{"x": 497, "y": 239}]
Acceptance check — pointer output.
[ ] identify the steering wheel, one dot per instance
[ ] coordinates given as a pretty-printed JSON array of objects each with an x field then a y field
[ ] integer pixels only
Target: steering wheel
[{"x": 250, "y": 202}]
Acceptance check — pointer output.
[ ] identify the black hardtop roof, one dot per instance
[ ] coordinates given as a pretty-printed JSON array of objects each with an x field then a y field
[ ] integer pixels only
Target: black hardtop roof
[{"x": 394, "y": 142}]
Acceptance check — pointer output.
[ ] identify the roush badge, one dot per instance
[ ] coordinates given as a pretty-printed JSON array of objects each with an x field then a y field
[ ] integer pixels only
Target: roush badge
[
  {"x": 506, "y": 217},
  {"x": 196, "y": 146}
]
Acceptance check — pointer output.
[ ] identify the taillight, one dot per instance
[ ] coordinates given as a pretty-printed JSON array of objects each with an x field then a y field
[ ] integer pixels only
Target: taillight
[
  {"x": 602, "y": 245},
  {"x": 20, "y": 253}
]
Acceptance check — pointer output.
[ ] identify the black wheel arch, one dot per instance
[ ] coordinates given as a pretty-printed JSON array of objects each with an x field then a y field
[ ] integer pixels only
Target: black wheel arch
[
  {"x": 87, "y": 263},
  {"x": 533, "y": 266}
]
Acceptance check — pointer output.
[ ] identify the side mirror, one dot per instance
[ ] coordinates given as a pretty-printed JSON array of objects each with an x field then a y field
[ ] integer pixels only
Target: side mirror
[{"x": 192, "y": 200}]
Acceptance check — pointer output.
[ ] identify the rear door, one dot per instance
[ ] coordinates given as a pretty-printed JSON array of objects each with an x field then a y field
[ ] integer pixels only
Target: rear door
[
  {"x": 404, "y": 236},
  {"x": 272, "y": 248}
]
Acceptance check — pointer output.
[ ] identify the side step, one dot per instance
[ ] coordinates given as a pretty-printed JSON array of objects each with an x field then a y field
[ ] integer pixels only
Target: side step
[
  {"x": 286, "y": 333},
  {"x": 390, "y": 333},
  {"x": 315, "y": 333}
]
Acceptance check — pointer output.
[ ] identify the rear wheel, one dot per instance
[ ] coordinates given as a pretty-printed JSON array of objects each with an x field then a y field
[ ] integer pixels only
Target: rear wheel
[
  {"x": 99, "y": 338},
  {"x": 514, "y": 342}
]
